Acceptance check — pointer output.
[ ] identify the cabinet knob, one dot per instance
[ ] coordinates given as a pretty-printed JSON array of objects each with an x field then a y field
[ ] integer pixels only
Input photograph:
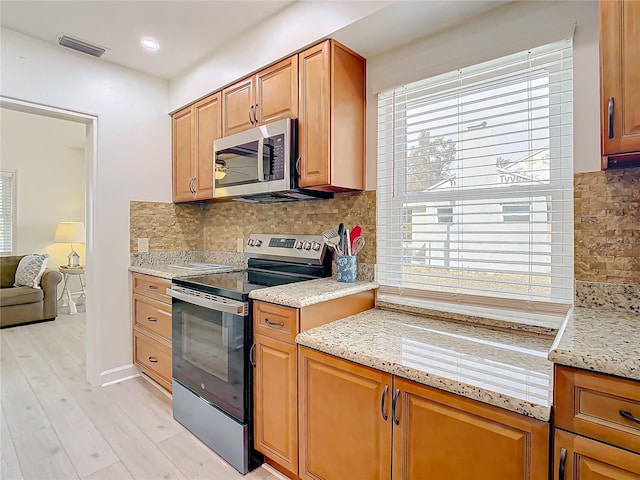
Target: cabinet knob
[
  {"x": 629, "y": 416},
  {"x": 394, "y": 407},
  {"x": 563, "y": 460},
  {"x": 383, "y": 401},
  {"x": 610, "y": 111},
  {"x": 273, "y": 324}
]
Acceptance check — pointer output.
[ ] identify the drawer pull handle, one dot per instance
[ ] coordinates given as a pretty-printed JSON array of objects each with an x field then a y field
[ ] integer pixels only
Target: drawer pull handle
[
  {"x": 152, "y": 287},
  {"x": 629, "y": 416},
  {"x": 151, "y": 319},
  {"x": 563, "y": 460},
  {"x": 153, "y": 359},
  {"x": 273, "y": 324},
  {"x": 383, "y": 401},
  {"x": 394, "y": 407}
]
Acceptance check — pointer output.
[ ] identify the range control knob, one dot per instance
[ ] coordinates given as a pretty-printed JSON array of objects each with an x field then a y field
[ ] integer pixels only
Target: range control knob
[
  {"x": 315, "y": 246},
  {"x": 250, "y": 242},
  {"x": 307, "y": 245},
  {"x": 299, "y": 245},
  {"x": 258, "y": 243}
]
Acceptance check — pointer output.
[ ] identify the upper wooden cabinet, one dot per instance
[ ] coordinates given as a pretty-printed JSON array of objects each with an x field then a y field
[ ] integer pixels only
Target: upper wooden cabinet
[
  {"x": 332, "y": 118},
  {"x": 619, "y": 80},
  {"x": 271, "y": 94},
  {"x": 194, "y": 129}
]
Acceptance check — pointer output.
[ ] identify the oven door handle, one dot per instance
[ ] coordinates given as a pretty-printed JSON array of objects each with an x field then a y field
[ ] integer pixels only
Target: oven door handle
[{"x": 229, "y": 306}]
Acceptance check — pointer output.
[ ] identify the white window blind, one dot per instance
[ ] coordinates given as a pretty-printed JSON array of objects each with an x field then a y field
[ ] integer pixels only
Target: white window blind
[
  {"x": 7, "y": 212},
  {"x": 475, "y": 184}
]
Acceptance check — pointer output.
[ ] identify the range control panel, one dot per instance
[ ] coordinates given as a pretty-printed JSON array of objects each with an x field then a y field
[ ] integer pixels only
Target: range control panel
[{"x": 306, "y": 248}]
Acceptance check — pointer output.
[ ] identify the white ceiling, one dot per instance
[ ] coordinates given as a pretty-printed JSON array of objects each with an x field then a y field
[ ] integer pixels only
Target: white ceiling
[{"x": 188, "y": 31}]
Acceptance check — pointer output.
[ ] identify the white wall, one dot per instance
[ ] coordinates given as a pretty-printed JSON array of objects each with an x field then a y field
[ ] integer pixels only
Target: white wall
[
  {"x": 512, "y": 28},
  {"x": 49, "y": 158},
  {"x": 302, "y": 24},
  {"x": 133, "y": 163}
]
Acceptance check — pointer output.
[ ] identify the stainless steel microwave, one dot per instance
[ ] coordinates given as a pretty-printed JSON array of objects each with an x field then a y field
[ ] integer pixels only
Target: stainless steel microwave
[{"x": 259, "y": 165}]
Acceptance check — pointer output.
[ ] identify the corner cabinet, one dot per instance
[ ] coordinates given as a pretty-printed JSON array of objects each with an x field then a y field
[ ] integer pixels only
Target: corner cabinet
[
  {"x": 597, "y": 426},
  {"x": 332, "y": 118},
  {"x": 269, "y": 95},
  {"x": 152, "y": 327},
  {"x": 358, "y": 422},
  {"x": 194, "y": 129},
  {"x": 619, "y": 80}
]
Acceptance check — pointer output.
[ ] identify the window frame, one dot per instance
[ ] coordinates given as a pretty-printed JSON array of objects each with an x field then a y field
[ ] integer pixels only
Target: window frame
[
  {"x": 13, "y": 217},
  {"x": 557, "y": 190}
]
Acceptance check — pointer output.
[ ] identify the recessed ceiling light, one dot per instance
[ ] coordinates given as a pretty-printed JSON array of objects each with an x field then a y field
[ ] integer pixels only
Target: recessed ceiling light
[{"x": 150, "y": 44}]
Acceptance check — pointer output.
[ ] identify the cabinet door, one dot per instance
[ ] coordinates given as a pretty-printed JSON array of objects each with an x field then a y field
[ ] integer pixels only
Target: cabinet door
[
  {"x": 208, "y": 113},
  {"x": 453, "y": 437},
  {"x": 580, "y": 458},
  {"x": 314, "y": 121},
  {"x": 620, "y": 76},
  {"x": 277, "y": 91},
  {"x": 182, "y": 143},
  {"x": 342, "y": 431},
  {"x": 276, "y": 401},
  {"x": 237, "y": 101}
]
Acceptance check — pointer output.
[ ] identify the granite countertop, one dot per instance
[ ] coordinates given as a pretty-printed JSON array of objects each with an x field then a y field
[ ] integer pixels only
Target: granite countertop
[
  {"x": 507, "y": 369},
  {"x": 302, "y": 294},
  {"x": 165, "y": 271},
  {"x": 600, "y": 340}
]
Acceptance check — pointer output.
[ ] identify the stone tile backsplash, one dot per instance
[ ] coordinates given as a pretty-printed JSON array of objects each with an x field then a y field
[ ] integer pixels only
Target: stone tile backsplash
[
  {"x": 606, "y": 230},
  {"x": 607, "y": 239}
]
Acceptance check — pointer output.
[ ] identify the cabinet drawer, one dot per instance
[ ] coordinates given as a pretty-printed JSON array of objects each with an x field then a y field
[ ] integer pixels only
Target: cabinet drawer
[
  {"x": 153, "y": 287},
  {"x": 598, "y": 406},
  {"x": 152, "y": 357},
  {"x": 152, "y": 315},
  {"x": 275, "y": 321}
]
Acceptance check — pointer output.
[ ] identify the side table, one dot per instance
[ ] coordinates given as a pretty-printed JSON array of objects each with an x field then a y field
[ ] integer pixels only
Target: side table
[{"x": 67, "y": 273}]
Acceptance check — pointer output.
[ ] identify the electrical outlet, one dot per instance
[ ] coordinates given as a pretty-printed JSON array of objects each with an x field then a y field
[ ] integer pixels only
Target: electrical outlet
[
  {"x": 143, "y": 245},
  {"x": 240, "y": 245}
]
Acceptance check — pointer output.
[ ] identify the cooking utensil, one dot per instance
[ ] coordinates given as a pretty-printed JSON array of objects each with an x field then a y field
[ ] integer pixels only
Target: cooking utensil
[
  {"x": 358, "y": 244},
  {"x": 332, "y": 239},
  {"x": 356, "y": 231},
  {"x": 347, "y": 237},
  {"x": 341, "y": 245}
]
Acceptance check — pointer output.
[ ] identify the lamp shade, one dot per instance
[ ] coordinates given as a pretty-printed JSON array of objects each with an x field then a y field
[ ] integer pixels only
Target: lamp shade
[{"x": 70, "y": 232}]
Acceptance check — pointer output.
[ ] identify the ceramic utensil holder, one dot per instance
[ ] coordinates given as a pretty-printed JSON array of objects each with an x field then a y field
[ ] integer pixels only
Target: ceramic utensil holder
[{"x": 347, "y": 268}]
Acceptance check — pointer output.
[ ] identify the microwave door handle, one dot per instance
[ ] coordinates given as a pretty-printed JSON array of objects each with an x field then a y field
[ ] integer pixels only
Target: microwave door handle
[{"x": 261, "y": 159}]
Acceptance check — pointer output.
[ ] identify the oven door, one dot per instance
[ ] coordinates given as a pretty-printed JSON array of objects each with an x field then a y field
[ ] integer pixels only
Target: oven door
[{"x": 209, "y": 349}]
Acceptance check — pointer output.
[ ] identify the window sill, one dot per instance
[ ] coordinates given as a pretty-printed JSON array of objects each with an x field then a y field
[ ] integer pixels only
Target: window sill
[{"x": 547, "y": 325}]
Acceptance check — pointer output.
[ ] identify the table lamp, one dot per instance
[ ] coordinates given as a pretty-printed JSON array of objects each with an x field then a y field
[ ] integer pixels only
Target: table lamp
[{"x": 71, "y": 232}]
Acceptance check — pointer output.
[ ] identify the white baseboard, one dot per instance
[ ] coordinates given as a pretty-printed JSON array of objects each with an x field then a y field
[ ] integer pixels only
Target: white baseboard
[{"x": 118, "y": 374}]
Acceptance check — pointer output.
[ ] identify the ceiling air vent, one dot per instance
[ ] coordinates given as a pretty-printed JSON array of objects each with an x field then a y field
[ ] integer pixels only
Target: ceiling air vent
[{"x": 80, "y": 46}]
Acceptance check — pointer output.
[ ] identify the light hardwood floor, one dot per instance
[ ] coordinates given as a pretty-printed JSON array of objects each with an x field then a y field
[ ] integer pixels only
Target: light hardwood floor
[{"x": 55, "y": 426}]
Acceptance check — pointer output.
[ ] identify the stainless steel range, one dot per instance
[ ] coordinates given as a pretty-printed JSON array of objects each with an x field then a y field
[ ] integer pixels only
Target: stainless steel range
[{"x": 213, "y": 335}]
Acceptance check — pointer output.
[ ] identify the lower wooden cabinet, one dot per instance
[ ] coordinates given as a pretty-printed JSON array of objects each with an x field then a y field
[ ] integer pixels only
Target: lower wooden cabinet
[
  {"x": 450, "y": 436},
  {"x": 153, "y": 358},
  {"x": 151, "y": 319},
  {"x": 276, "y": 401},
  {"x": 345, "y": 419},
  {"x": 349, "y": 415},
  {"x": 580, "y": 458}
]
